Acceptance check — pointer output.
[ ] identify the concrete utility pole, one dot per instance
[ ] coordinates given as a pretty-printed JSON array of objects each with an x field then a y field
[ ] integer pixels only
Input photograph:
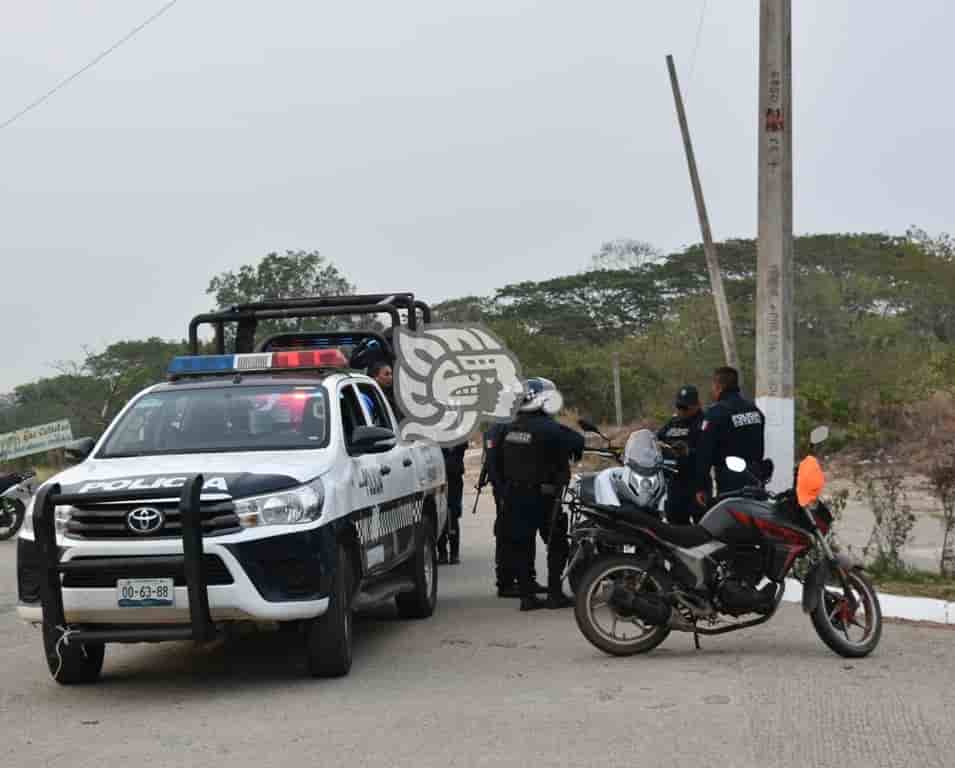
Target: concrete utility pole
[
  {"x": 775, "y": 381},
  {"x": 709, "y": 248}
]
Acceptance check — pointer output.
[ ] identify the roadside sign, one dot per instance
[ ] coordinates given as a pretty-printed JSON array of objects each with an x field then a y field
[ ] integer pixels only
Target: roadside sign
[{"x": 44, "y": 437}]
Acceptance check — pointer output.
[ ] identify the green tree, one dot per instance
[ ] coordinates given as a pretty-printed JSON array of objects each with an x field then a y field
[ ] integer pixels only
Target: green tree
[
  {"x": 294, "y": 275},
  {"x": 626, "y": 253}
]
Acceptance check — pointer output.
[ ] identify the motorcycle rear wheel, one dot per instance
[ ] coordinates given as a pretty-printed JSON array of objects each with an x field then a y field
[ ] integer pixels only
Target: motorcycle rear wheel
[
  {"x": 605, "y": 570},
  {"x": 836, "y": 622},
  {"x": 11, "y": 517}
]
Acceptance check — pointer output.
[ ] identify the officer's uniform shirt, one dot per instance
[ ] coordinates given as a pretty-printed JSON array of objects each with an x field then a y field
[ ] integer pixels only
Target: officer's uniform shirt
[
  {"x": 684, "y": 432},
  {"x": 733, "y": 426},
  {"x": 534, "y": 450}
]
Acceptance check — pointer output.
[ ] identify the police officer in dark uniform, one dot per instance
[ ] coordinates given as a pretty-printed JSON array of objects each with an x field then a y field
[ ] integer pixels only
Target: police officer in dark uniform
[
  {"x": 449, "y": 543},
  {"x": 504, "y": 571},
  {"x": 682, "y": 433},
  {"x": 532, "y": 464},
  {"x": 732, "y": 426}
]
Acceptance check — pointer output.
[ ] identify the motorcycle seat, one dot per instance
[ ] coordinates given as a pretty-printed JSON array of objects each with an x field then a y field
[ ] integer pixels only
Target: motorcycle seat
[{"x": 684, "y": 536}]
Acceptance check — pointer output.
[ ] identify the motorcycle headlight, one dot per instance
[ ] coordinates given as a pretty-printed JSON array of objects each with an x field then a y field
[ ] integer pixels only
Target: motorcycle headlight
[
  {"x": 644, "y": 488},
  {"x": 299, "y": 505}
]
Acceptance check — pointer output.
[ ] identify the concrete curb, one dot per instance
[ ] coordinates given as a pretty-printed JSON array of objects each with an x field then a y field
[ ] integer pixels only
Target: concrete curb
[{"x": 895, "y": 606}]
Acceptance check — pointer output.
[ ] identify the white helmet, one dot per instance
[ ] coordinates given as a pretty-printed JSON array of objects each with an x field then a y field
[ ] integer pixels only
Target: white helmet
[{"x": 541, "y": 395}]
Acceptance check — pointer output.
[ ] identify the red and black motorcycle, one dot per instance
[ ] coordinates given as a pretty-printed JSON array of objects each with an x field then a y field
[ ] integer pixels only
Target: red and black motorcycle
[{"x": 725, "y": 574}]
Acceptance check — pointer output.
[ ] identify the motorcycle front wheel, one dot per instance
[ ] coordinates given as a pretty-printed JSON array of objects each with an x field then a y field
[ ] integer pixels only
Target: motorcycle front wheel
[
  {"x": 601, "y": 623},
  {"x": 849, "y": 620},
  {"x": 11, "y": 517}
]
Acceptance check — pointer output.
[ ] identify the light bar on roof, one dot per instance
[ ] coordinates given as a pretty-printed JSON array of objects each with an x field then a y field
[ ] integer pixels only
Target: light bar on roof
[{"x": 205, "y": 365}]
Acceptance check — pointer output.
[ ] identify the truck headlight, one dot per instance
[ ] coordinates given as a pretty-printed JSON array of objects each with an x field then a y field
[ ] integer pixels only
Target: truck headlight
[
  {"x": 61, "y": 516},
  {"x": 299, "y": 505},
  {"x": 27, "y": 527}
]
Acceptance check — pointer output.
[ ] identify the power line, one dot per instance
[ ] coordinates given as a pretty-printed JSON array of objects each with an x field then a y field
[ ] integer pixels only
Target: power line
[
  {"x": 696, "y": 47},
  {"x": 66, "y": 81}
]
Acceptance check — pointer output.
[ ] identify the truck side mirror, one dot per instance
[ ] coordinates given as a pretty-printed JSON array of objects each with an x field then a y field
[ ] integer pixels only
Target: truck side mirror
[
  {"x": 80, "y": 449},
  {"x": 373, "y": 440}
]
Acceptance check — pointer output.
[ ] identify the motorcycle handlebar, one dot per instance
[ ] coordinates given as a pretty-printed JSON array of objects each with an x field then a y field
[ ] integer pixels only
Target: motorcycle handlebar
[{"x": 609, "y": 453}]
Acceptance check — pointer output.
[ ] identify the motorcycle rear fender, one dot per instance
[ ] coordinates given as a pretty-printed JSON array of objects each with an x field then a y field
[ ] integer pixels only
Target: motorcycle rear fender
[{"x": 812, "y": 587}]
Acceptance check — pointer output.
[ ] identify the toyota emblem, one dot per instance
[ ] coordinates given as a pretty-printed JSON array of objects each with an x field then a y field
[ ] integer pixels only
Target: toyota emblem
[{"x": 145, "y": 520}]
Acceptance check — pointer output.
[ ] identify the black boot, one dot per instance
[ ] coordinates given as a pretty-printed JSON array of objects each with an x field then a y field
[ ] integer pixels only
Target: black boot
[
  {"x": 559, "y": 600},
  {"x": 455, "y": 549},
  {"x": 532, "y": 603}
]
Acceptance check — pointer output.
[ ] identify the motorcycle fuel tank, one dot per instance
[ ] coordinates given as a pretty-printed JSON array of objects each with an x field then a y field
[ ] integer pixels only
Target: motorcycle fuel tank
[{"x": 726, "y": 521}]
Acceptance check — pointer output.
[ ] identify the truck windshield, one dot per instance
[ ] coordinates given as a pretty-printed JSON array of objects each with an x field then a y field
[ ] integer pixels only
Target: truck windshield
[{"x": 234, "y": 418}]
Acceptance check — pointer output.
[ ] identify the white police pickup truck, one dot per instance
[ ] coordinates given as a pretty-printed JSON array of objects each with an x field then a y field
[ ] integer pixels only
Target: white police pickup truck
[{"x": 308, "y": 507}]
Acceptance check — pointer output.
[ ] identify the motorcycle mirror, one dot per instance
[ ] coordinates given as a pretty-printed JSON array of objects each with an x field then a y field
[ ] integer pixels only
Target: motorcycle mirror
[
  {"x": 819, "y": 435},
  {"x": 735, "y": 464}
]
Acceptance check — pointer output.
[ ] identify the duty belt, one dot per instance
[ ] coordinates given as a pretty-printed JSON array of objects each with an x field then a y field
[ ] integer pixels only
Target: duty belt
[{"x": 546, "y": 489}]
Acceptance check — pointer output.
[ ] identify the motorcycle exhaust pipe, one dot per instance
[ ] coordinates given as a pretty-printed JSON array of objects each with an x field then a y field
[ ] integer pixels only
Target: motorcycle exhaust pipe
[{"x": 653, "y": 610}]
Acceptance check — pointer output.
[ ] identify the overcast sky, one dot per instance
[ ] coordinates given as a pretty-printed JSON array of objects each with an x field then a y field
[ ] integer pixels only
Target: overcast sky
[{"x": 428, "y": 145}]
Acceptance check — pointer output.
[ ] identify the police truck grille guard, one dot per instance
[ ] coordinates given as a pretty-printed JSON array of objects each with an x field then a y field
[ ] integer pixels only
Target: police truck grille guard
[{"x": 191, "y": 562}]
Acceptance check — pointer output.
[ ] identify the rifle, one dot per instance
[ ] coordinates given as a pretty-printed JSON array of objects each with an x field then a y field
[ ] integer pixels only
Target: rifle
[{"x": 483, "y": 479}]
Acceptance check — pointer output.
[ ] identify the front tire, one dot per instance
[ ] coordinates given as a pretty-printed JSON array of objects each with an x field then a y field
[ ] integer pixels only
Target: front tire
[
  {"x": 329, "y": 637},
  {"x": 420, "y": 602},
  {"x": 73, "y": 663},
  {"x": 604, "y": 571},
  {"x": 837, "y": 624}
]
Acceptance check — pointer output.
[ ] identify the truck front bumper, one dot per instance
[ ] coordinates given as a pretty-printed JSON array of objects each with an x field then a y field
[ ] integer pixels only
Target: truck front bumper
[{"x": 240, "y": 600}]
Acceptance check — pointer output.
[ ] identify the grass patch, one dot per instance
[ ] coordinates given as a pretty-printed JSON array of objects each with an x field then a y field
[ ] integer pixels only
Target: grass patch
[{"x": 911, "y": 582}]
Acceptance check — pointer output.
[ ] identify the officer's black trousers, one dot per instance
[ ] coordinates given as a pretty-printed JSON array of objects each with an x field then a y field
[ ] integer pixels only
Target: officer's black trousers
[
  {"x": 451, "y": 537},
  {"x": 504, "y": 559},
  {"x": 681, "y": 507},
  {"x": 530, "y": 514}
]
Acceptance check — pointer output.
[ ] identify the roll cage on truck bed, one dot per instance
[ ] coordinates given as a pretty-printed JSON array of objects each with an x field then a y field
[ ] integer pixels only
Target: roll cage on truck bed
[{"x": 192, "y": 563}]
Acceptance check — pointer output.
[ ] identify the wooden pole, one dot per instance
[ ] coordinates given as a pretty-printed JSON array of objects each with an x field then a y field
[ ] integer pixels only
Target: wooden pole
[
  {"x": 709, "y": 248},
  {"x": 775, "y": 381},
  {"x": 617, "y": 397}
]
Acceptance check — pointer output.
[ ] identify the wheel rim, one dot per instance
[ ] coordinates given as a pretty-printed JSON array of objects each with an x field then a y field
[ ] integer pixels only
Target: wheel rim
[
  {"x": 851, "y": 613},
  {"x": 598, "y": 606}
]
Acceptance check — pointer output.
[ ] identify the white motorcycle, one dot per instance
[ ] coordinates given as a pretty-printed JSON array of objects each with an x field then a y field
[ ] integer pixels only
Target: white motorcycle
[
  {"x": 640, "y": 481},
  {"x": 16, "y": 490}
]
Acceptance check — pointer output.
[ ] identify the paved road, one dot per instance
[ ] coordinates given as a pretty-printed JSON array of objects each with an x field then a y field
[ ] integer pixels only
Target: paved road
[{"x": 482, "y": 684}]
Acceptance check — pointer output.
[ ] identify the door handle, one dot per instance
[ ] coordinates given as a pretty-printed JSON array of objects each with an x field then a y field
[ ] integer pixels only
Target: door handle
[
  {"x": 407, "y": 462},
  {"x": 385, "y": 469}
]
